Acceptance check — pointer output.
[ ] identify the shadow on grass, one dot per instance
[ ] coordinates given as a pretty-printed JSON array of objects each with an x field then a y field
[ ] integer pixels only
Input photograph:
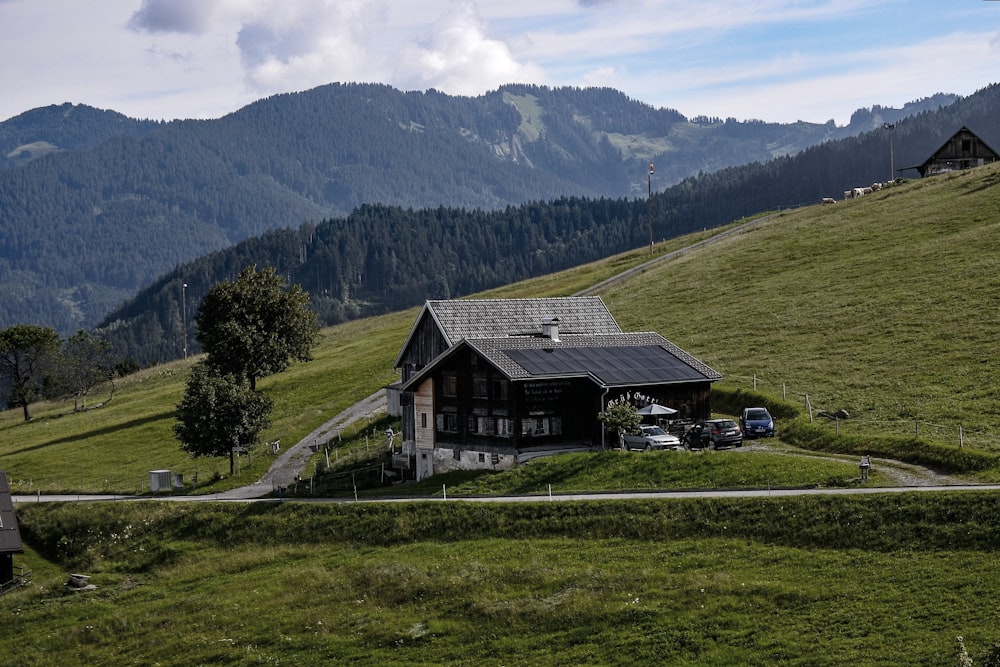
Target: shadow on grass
[{"x": 95, "y": 433}]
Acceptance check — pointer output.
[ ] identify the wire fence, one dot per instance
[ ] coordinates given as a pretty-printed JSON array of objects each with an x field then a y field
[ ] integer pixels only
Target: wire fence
[{"x": 816, "y": 409}]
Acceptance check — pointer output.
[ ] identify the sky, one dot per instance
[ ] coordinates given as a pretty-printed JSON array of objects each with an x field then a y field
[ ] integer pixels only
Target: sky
[{"x": 773, "y": 60}]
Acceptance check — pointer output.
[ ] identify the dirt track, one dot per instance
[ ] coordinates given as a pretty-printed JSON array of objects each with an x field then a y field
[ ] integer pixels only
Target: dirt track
[{"x": 292, "y": 461}]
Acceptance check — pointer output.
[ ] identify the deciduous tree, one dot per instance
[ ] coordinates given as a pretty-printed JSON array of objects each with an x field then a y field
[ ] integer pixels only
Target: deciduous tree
[
  {"x": 622, "y": 418},
  {"x": 254, "y": 326},
  {"x": 27, "y": 353},
  {"x": 219, "y": 413},
  {"x": 86, "y": 363}
]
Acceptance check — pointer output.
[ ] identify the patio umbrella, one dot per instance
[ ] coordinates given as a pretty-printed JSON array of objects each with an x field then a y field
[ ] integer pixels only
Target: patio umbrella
[{"x": 655, "y": 409}]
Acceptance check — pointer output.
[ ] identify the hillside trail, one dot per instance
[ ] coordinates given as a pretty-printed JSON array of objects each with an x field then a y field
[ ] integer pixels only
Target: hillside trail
[
  {"x": 291, "y": 462},
  {"x": 901, "y": 474}
]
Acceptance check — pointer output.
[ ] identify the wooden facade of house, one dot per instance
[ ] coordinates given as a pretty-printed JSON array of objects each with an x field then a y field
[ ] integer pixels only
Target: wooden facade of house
[
  {"x": 482, "y": 394},
  {"x": 963, "y": 150},
  {"x": 10, "y": 535}
]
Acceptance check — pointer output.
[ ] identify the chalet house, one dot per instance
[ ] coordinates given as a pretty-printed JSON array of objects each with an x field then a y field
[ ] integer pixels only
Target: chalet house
[
  {"x": 489, "y": 383},
  {"x": 963, "y": 150},
  {"x": 10, "y": 536}
]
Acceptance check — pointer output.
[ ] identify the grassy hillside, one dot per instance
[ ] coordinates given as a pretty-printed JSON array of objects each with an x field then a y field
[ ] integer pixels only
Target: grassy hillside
[{"x": 884, "y": 306}]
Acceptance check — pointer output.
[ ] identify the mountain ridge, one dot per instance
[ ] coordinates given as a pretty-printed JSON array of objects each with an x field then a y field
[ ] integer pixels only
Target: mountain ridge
[{"x": 101, "y": 211}]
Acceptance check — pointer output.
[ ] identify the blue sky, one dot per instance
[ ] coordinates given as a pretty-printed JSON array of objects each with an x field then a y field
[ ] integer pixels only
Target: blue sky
[{"x": 775, "y": 60}]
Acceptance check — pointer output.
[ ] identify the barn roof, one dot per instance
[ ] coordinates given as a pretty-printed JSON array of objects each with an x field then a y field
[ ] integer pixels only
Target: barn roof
[
  {"x": 484, "y": 318},
  {"x": 10, "y": 535}
]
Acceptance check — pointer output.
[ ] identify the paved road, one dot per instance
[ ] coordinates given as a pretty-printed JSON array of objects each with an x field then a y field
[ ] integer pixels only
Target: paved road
[{"x": 573, "y": 497}]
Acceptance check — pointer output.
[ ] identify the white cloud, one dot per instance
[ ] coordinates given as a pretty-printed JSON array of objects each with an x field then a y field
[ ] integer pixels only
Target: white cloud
[
  {"x": 295, "y": 45},
  {"x": 770, "y": 59},
  {"x": 460, "y": 58}
]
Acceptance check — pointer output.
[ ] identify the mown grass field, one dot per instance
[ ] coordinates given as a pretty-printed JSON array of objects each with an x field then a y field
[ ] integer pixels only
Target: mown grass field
[
  {"x": 885, "y": 307},
  {"x": 888, "y": 579}
]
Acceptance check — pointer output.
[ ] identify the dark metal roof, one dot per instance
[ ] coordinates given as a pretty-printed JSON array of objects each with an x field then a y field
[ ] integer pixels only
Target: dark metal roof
[
  {"x": 611, "y": 360},
  {"x": 10, "y": 536},
  {"x": 486, "y": 318}
]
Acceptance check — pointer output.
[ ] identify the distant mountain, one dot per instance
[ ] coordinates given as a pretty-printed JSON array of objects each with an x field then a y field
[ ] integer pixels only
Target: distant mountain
[
  {"x": 65, "y": 127},
  {"x": 95, "y": 206}
]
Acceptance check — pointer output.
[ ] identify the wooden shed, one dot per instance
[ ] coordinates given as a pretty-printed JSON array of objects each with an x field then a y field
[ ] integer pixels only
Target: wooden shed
[
  {"x": 10, "y": 537},
  {"x": 963, "y": 150}
]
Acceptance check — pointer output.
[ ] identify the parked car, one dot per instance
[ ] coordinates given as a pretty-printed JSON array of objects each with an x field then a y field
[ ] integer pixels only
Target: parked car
[
  {"x": 651, "y": 437},
  {"x": 757, "y": 422},
  {"x": 714, "y": 433}
]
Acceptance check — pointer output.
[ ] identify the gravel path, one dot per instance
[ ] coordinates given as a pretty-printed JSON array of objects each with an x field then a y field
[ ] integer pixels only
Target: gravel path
[
  {"x": 901, "y": 474},
  {"x": 292, "y": 461}
]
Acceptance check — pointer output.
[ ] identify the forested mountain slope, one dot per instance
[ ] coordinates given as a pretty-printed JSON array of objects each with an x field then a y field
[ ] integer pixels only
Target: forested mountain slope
[
  {"x": 94, "y": 206},
  {"x": 384, "y": 258}
]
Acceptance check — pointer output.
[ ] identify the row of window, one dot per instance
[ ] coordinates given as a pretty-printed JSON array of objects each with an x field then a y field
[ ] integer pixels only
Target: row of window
[
  {"x": 480, "y": 387},
  {"x": 447, "y": 422},
  {"x": 494, "y": 458}
]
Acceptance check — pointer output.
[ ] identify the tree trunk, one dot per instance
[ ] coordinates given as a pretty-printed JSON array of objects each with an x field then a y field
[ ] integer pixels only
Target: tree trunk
[{"x": 27, "y": 413}]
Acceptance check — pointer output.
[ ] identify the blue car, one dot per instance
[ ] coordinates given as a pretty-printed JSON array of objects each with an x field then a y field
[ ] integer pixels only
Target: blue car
[{"x": 757, "y": 423}]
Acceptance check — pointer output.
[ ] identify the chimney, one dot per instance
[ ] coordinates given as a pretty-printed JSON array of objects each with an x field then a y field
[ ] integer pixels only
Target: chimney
[{"x": 550, "y": 328}]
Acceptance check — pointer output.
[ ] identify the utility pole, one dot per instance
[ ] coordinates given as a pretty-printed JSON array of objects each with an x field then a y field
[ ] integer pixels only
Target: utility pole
[
  {"x": 892, "y": 159},
  {"x": 649, "y": 205},
  {"x": 184, "y": 311}
]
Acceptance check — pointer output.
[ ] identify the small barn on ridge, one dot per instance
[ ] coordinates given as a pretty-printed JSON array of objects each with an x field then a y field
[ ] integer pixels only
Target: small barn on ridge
[
  {"x": 10, "y": 535},
  {"x": 963, "y": 150}
]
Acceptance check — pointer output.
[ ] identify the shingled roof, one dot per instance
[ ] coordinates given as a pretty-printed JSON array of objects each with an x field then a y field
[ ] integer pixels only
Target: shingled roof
[
  {"x": 488, "y": 318},
  {"x": 10, "y": 536}
]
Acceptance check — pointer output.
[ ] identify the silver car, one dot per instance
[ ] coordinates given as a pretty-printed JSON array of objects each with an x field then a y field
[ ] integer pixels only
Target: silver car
[{"x": 652, "y": 437}]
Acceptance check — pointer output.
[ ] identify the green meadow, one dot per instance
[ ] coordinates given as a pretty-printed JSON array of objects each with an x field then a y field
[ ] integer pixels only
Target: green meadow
[
  {"x": 884, "y": 307},
  {"x": 887, "y": 579}
]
